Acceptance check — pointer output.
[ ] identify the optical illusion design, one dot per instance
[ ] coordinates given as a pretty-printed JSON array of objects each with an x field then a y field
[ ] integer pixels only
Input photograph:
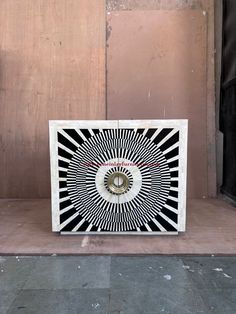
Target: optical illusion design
[{"x": 118, "y": 180}]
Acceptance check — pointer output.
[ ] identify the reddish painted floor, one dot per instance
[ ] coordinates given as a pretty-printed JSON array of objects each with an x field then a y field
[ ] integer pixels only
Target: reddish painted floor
[{"x": 25, "y": 228}]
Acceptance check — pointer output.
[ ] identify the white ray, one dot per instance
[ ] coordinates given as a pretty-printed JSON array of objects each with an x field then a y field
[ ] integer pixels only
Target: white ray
[
  {"x": 69, "y": 138},
  {"x": 158, "y": 224},
  {"x": 68, "y": 220},
  {"x": 66, "y": 149}
]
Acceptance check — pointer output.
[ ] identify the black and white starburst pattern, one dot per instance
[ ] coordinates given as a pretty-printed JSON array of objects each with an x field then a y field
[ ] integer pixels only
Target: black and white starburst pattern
[{"x": 149, "y": 158}]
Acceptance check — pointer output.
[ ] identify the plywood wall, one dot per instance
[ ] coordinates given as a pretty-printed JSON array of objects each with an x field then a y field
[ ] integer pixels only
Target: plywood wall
[
  {"x": 52, "y": 66},
  {"x": 159, "y": 66}
]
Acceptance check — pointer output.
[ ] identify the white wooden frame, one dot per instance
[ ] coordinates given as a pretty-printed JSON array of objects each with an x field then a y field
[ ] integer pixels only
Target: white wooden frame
[{"x": 181, "y": 125}]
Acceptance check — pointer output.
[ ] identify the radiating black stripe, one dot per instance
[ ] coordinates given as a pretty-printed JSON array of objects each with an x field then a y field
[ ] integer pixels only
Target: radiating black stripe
[
  {"x": 63, "y": 164},
  {"x": 86, "y": 133},
  {"x": 63, "y": 153},
  {"x": 172, "y": 204},
  {"x": 62, "y": 184},
  {"x": 173, "y": 164},
  {"x": 170, "y": 214},
  {"x": 70, "y": 226},
  {"x": 174, "y": 184},
  {"x": 174, "y": 174},
  {"x": 140, "y": 131},
  {"x": 162, "y": 135},
  {"x": 62, "y": 174},
  {"x": 67, "y": 214},
  {"x": 94, "y": 228},
  {"x": 150, "y": 133},
  {"x": 165, "y": 224},
  {"x": 173, "y": 193},
  {"x": 73, "y": 134},
  {"x": 95, "y": 131},
  {"x": 153, "y": 226},
  {"x": 174, "y": 152},
  {"x": 143, "y": 228},
  {"x": 65, "y": 204},
  {"x": 63, "y": 194},
  {"x": 84, "y": 226},
  {"x": 64, "y": 141},
  {"x": 171, "y": 141}
]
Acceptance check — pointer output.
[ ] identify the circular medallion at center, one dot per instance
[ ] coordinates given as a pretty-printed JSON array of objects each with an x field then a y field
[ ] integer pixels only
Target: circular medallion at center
[{"x": 118, "y": 183}]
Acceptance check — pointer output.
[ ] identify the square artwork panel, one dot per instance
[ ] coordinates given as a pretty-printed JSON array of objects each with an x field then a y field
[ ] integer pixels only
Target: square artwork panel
[{"x": 118, "y": 176}]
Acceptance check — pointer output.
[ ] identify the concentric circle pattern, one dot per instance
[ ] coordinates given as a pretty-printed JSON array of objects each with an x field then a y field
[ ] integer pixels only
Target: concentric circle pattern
[{"x": 147, "y": 163}]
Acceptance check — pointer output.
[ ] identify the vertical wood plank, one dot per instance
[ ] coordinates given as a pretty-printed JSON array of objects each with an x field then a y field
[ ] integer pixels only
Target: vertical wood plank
[
  {"x": 52, "y": 66},
  {"x": 206, "y": 8},
  {"x": 162, "y": 74}
]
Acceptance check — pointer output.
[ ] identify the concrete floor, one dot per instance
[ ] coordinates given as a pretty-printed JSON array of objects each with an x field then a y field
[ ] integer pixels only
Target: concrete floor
[
  {"x": 117, "y": 285},
  {"x": 25, "y": 228}
]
